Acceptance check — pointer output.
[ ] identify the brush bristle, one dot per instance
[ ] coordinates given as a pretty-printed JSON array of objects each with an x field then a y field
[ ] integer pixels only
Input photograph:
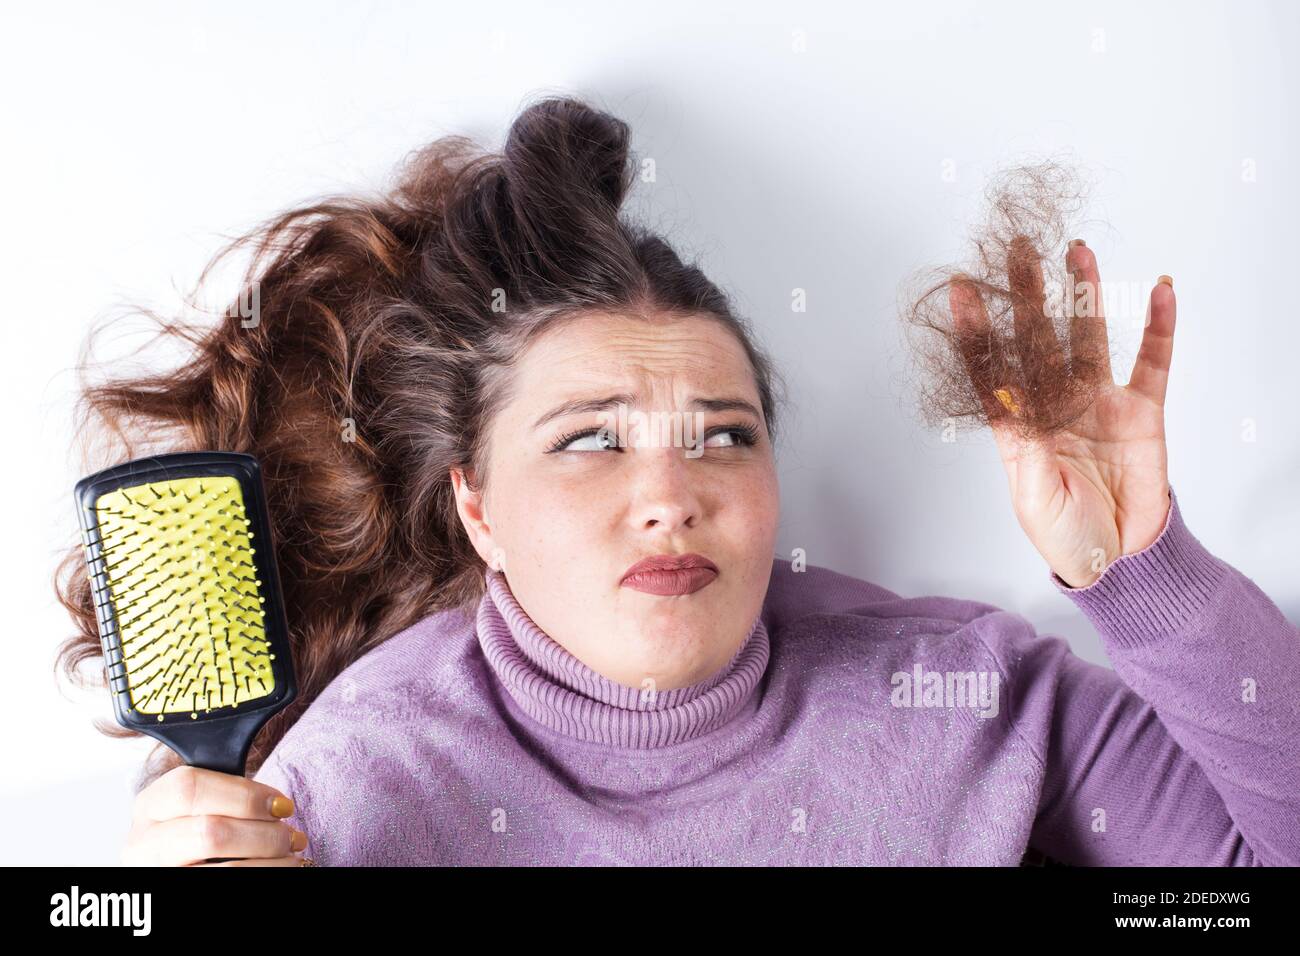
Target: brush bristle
[{"x": 183, "y": 585}]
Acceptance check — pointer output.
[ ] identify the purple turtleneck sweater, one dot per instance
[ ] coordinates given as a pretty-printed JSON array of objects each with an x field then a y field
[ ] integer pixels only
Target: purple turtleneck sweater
[{"x": 853, "y": 726}]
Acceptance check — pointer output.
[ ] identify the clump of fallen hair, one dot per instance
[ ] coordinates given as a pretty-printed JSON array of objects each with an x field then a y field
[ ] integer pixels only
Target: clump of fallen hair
[{"x": 1033, "y": 366}]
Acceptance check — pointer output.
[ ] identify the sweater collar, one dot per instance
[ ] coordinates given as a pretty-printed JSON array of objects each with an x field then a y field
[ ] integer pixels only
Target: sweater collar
[{"x": 561, "y": 692}]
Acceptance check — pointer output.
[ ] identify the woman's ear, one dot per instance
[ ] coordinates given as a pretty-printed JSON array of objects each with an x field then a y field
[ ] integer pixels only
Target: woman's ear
[{"x": 472, "y": 508}]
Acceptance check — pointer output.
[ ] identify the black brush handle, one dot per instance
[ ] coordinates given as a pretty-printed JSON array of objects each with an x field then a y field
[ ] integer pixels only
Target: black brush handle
[{"x": 221, "y": 745}]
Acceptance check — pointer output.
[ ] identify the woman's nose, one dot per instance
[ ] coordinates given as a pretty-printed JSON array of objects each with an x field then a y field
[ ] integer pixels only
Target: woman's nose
[{"x": 664, "y": 488}]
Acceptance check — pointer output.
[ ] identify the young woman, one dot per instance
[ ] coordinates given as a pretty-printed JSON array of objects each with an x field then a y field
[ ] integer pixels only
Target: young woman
[{"x": 534, "y": 624}]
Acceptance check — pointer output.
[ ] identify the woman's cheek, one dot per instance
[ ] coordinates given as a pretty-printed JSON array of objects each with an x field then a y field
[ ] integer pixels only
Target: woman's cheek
[
  {"x": 758, "y": 497},
  {"x": 569, "y": 517}
]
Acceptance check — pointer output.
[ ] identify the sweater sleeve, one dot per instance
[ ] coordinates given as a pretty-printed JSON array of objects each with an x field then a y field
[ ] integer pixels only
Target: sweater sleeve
[{"x": 1194, "y": 759}]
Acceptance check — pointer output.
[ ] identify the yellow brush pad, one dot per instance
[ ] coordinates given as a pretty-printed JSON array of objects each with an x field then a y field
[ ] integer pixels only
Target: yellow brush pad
[{"x": 188, "y": 601}]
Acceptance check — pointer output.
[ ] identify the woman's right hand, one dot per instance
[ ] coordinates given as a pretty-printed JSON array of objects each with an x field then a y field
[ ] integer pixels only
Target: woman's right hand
[{"x": 190, "y": 815}]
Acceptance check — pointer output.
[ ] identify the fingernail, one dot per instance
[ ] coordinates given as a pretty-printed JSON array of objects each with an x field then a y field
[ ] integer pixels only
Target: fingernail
[
  {"x": 1167, "y": 280},
  {"x": 1008, "y": 402},
  {"x": 1077, "y": 242},
  {"x": 299, "y": 841},
  {"x": 281, "y": 806}
]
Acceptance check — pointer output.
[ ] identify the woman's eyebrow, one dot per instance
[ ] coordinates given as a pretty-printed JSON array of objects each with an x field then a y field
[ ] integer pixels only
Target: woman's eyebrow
[{"x": 585, "y": 405}]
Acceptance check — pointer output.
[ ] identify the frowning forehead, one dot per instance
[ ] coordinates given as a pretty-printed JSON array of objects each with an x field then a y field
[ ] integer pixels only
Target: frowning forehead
[
  {"x": 611, "y": 402},
  {"x": 602, "y": 358}
]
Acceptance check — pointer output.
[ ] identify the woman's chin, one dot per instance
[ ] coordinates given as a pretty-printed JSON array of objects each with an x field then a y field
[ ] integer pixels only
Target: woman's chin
[
  {"x": 672, "y": 654},
  {"x": 660, "y": 622}
]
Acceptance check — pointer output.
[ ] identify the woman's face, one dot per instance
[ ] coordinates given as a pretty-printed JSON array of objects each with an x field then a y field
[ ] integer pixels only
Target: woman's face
[{"x": 566, "y": 524}]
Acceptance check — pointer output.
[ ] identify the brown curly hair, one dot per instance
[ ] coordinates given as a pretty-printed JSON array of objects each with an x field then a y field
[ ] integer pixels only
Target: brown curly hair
[
  {"x": 385, "y": 332},
  {"x": 1037, "y": 353}
]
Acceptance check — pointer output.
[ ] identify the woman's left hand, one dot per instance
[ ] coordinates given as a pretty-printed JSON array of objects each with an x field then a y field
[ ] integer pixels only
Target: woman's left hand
[{"x": 1100, "y": 489}]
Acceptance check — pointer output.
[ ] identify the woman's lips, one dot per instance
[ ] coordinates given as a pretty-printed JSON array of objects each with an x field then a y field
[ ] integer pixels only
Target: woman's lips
[{"x": 683, "y": 581}]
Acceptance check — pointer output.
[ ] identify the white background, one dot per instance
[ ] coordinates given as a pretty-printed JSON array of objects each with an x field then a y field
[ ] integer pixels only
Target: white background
[{"x": 138, "y": 136}]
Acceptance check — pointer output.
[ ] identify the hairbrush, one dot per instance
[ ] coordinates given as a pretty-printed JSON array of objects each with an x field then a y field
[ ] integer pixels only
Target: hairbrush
[{"x": 188, "y": 601}]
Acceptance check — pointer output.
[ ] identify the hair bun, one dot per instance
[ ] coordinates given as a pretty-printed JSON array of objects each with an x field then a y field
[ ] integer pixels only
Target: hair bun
[{"x": 560, "y": 145}]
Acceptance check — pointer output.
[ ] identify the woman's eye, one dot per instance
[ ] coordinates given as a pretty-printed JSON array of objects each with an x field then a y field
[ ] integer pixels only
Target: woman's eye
[
  {"x": 736, "y": 436},
  {"x": 601, "y": 440},
  {"x": 732, "y": 435}
]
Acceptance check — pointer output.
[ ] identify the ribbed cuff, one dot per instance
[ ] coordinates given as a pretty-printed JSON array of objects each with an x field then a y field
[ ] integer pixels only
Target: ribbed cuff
[{"x": 1153, "y": 592}]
